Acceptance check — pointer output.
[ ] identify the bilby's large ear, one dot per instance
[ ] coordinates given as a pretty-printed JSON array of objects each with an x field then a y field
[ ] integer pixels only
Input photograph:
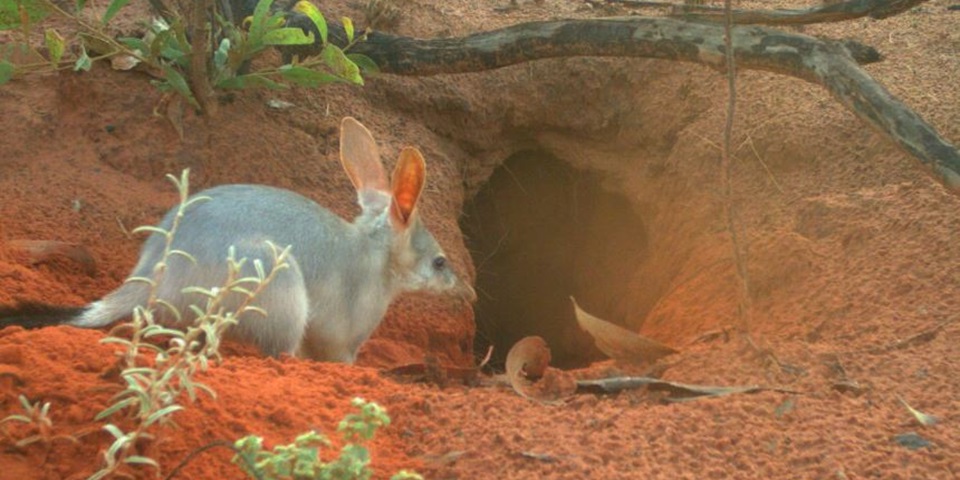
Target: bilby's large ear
[
  {"x": 361, "y": 158},
  {"x": 408, "y": 179}
]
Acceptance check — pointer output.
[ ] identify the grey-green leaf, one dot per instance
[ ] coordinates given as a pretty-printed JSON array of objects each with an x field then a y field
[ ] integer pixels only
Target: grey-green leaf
[
  {"x": 6, "y": 71},
  {"x": 287, "y": 36},
  {"x": 159, "y": 414},
  {"x": 114, "y": 408},
  {"x": 222, "y": 54},
  {"x": 116, "y": 432},
  {"x": 113, "y": 9},
  {"x": 307, "y": 77},
  {"x": 179, "y": 84},
  {"x": 83, "y": 63}
]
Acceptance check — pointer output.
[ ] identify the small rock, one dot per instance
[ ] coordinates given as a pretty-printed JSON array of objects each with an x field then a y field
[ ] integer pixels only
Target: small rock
[
  {"x": 912, "y": 441},
  {"x": 279, "y": 104},
  {"x": 11, "y": 354}
]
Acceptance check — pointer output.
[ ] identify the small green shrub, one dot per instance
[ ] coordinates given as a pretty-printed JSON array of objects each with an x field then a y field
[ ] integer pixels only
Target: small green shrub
[
  {"x": 154, "y": 389},
  {"x": 190, "y": 53},
  {"x": 301, "y": 460},
  {"x": 35, "y": 416}
]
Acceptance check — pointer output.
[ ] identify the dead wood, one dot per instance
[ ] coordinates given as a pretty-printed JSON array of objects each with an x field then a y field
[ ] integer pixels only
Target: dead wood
[
  {"x": 833, "y": 65},
  {"x": 825, "y": 13},
  {"x": 678, "y": 391},
  {"x": 924, "y": 336}
]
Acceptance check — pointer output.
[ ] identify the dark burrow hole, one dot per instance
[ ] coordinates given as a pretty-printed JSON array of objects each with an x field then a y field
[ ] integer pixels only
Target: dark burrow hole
[{"x": 540, "y": 231}]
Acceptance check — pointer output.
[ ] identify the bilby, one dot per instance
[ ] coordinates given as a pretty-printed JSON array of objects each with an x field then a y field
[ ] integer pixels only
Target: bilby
[{"x": 342, "y": 275}]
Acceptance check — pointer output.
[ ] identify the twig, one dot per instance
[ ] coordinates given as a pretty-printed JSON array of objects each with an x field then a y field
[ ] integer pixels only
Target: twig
[
  {"x": 682, "y": 390},
  {"x": 825, "y": 13},
  {"x": 210, "y": 446},
  {"x": 922, "y": 337},
  {"x": 739, "y": 256}
]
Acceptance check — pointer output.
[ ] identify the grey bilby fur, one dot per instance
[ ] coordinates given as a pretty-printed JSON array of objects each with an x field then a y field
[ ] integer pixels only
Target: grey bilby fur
[{"x": 342, "y": 275}]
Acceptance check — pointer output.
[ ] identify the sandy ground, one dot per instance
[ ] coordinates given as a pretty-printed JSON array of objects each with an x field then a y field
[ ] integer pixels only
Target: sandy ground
[{"x": 853, "y": 260}]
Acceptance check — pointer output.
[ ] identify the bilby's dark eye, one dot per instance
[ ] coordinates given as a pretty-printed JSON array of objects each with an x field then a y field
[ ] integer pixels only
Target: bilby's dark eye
[{"x": 439, "y": 263}]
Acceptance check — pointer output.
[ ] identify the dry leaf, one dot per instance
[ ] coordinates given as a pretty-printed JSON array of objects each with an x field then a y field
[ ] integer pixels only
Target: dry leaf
[
  {"x": 528, "y": 358},
  {"x": 924, "y": 419},
  {"x": 531, "y": 376},
  {"x": 123, "y": 62},
  {"x": 40, "y": 251},
  {"x": 619, "y": 343}
]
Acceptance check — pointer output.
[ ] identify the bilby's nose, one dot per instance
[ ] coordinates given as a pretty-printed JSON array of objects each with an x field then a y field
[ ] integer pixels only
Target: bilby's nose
[{"x": 467, "y": 292}]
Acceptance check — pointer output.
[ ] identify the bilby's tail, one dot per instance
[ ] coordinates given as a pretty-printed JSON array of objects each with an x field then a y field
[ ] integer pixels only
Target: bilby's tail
[
  {"x": 116, "y": 305},
  {"x": 36, "y": 315}
]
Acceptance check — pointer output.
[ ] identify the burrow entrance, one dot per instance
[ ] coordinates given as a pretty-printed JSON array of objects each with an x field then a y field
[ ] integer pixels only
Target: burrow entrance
[{"x": 540, "y": 231}]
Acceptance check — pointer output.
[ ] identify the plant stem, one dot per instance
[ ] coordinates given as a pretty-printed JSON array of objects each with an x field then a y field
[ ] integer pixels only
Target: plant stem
[
  {"x": 739, "y": 257},
  {"x": 98, "y": 34},
  {"x": 199, "y": 29}
]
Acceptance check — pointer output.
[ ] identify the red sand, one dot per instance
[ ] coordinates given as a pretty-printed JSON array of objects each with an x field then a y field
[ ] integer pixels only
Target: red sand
[{"x": 852, "y": 249}]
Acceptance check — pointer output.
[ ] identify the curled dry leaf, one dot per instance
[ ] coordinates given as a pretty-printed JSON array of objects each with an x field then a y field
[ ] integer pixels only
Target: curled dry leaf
[
  {"x": 528, "y": 358},
  {"x": 922, "y": 418},
  {"x": 40, "y": 251},
  {"x": 123, "y": 62},
  {"x": 619, "y": 343},
  {"x": 528, "y": 368}
]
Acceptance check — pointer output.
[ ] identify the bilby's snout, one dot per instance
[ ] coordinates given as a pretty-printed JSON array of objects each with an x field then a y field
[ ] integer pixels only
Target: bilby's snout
[
  {"x": 442, "y": 278},
  {"x": 466, "y": 291}
]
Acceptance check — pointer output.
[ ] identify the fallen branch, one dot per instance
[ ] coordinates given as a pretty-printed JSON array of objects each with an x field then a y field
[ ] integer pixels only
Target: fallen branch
[
  {"x": 924, "y": 336},
  {"x": 838, "y": 12},
  {"x": 680, "y": 391},
  {"x": 833, "y": 65}
]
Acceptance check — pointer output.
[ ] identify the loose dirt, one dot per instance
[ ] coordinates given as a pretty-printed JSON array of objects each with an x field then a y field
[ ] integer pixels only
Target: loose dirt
[{"x": 853, "y": 256}]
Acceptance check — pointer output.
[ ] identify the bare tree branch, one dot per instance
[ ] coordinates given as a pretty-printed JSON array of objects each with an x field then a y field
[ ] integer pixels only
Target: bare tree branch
[
  {"x": 838, "y": 12},
  {"x": 831, "y": 64}
]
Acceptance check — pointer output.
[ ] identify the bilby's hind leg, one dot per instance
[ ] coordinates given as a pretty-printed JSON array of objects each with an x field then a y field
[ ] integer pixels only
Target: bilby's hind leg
[
  {"x": 328, "y": 344},
  {"x": 286, "y": 303},
  {"x": 284, "y": 299}
]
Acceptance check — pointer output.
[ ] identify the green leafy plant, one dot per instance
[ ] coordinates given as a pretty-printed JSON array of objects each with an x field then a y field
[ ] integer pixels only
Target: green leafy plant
[
  {"x": 301, "y": 460},
  {"x": 156, "y": 374},
  {"x": 37, "y": 417},
  {"x": 192, "y": 49},
  {"x": 327, "y": 64},
  {"x": 153, "y": 389}
]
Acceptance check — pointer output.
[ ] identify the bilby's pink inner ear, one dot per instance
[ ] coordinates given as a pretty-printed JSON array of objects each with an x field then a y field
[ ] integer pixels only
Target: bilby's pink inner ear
[
  {"x": 408, "y": 179},
  {"x": 360, "y": 157}
]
